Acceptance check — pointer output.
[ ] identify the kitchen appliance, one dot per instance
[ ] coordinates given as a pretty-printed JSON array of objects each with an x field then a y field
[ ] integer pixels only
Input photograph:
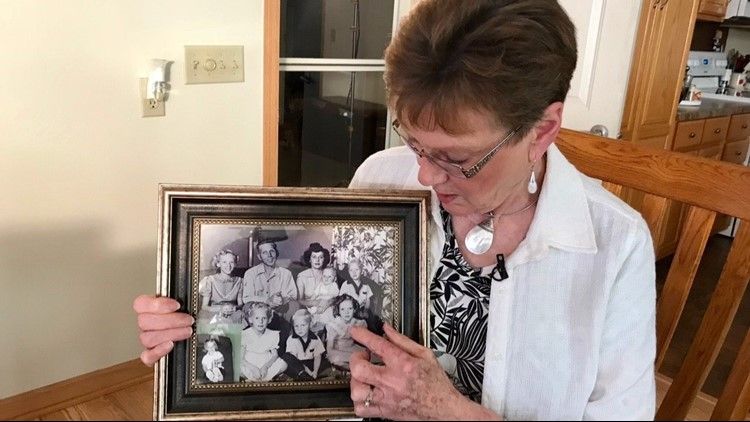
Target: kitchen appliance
[
  {"x": 710, "y": 74},
  {"x": 708, "y": 69}
]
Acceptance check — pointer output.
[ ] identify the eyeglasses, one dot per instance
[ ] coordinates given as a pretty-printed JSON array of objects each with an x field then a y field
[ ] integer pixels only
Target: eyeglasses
[{"x": 453, "y": 169}]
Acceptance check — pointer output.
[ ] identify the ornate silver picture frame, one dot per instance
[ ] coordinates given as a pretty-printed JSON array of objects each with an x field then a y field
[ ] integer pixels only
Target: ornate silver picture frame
[{"x": 275, "y": 277}]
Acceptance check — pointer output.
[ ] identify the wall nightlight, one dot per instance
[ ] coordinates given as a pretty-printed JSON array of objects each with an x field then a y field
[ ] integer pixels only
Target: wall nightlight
[{"x": 154, "y": 88}]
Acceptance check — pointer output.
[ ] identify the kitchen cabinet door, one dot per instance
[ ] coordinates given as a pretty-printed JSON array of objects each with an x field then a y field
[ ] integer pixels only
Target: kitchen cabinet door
[
  {"x": 712, "y": 10},
  {"x": 662, "y": 86},
  {"x": 739, "y": 128},
  {"x": 715, "y": 131},
  {"x": 688, "y": 134},
  {"x": 657, "y": 74},
  {"x": 736, "y": 152}
]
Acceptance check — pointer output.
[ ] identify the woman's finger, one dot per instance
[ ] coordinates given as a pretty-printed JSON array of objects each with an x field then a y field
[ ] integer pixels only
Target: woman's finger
[
  {"x": 378, "y": 345},
  {"x": 360, "y": 390},
  {"x": 151, "y": 356},
  {"x": 152, "y": 322},
  {"x": 155, "y": 305},
  {"x": 359, "y": 355},
  {"x": 365, "y": 372},
  {"x": 150, "y": 339},
  {"x": 371, "y": 411},
  {"x": 412, "y": 347}
]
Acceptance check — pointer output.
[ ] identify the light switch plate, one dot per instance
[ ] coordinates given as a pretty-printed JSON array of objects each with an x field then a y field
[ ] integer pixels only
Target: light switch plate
[
  {"x": 206, "y": 64},
  {"x": 150, "y": 108}
]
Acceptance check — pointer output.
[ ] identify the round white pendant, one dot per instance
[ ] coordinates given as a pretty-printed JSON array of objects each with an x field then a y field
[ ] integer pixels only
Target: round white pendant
[{"x": 479, "y": 239}]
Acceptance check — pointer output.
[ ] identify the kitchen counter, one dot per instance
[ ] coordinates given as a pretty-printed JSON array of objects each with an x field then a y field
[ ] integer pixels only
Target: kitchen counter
[{"x": 711, "y": 108}]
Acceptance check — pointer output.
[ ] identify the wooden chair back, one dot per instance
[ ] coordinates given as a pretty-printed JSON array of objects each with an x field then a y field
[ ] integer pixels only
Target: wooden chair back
[{"x": 708, "y": 187}]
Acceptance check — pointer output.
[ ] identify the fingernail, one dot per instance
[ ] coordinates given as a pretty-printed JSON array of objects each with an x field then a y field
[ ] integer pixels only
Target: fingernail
[{"x": 174, "y": 306}]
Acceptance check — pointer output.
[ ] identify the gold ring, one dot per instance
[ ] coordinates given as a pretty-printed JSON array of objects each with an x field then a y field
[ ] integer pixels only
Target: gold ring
[{"x": 368, "y": 399}]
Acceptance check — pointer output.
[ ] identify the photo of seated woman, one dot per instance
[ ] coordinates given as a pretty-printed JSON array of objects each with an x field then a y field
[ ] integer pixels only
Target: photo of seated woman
[{"x": 317, "y": 285}]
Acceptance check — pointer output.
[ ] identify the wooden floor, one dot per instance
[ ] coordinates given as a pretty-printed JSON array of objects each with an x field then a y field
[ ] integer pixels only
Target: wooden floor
[
  {"x": 130, "y": 404},
  {"x": 135, "y": 402}
]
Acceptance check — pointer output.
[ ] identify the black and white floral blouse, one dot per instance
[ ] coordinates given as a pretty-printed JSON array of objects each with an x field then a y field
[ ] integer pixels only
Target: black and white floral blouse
[{"x": 459, "y": 304}]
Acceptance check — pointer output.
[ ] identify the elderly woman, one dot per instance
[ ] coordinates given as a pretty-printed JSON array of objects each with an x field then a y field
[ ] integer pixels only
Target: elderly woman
[{"x": 542, "y": 281}]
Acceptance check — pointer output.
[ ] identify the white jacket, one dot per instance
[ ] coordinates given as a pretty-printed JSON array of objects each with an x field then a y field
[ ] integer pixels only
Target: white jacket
[{"x": 571, "y": 332}]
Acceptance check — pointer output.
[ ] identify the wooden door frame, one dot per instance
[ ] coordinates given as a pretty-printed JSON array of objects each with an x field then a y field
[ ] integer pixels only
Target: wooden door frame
[{"x": 271, "y": 52}]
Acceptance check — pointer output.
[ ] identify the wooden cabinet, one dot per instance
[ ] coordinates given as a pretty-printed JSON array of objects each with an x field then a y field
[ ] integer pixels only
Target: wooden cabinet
[
  {"x": 715, "y": 130},
  {"x": 688, "y": 135},
  {"x": 739, "y": 128},
  {"x": 698, "y": 134},
  {"x": 656, "y": 77},
  {"x": 712, "y": 10},
  {"x": 736, "y": 152},
  {"x": 650, "y": 116}
]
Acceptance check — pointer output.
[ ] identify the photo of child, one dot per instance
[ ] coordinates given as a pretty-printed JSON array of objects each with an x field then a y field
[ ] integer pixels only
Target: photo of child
[
  {"x": 325, "y": 293},
  {"x": 215, "y": 356},
  {"x": 340, "y": 343},
  {"x": 260, "y": 346},
  {"x": 304, "y": 350},
  {"x": 213, "y": 361}
]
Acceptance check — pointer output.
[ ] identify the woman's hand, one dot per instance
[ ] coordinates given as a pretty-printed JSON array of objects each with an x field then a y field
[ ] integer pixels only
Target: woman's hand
[
  {"x": 161, "y": 325},
  {"x": 411, "y": 384}
]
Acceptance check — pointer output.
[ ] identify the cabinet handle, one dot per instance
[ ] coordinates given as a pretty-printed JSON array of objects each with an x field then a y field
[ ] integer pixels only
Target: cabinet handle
[
  {"x": 717, "y": 131},
  {"x": 744, "y": 125},
  {"x": 656, "y": 3},
  {"x": 738, "y": 153},
  {"x": 692, "y": 135},
  {"x": 663, "y": 5}
]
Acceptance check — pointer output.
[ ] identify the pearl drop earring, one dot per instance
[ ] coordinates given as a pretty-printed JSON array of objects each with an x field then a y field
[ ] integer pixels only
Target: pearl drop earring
[{"x": 532, "y": 188}]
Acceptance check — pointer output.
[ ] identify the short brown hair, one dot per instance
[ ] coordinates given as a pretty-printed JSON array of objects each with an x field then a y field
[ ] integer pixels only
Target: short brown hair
[{"x": 508, "y": 58}]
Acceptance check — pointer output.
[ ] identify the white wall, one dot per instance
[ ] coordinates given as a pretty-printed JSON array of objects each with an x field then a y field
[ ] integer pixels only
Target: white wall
[
  {"x": 738, "y": 39},
  {"x": 79, "y": 167}
]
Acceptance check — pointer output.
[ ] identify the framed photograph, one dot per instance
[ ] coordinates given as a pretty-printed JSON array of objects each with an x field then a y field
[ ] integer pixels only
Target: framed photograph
[{"x": 274, "y": 278}]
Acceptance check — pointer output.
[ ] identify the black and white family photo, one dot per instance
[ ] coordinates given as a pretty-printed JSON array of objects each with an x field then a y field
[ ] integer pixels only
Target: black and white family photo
[{"x": 276, "y": 301}]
